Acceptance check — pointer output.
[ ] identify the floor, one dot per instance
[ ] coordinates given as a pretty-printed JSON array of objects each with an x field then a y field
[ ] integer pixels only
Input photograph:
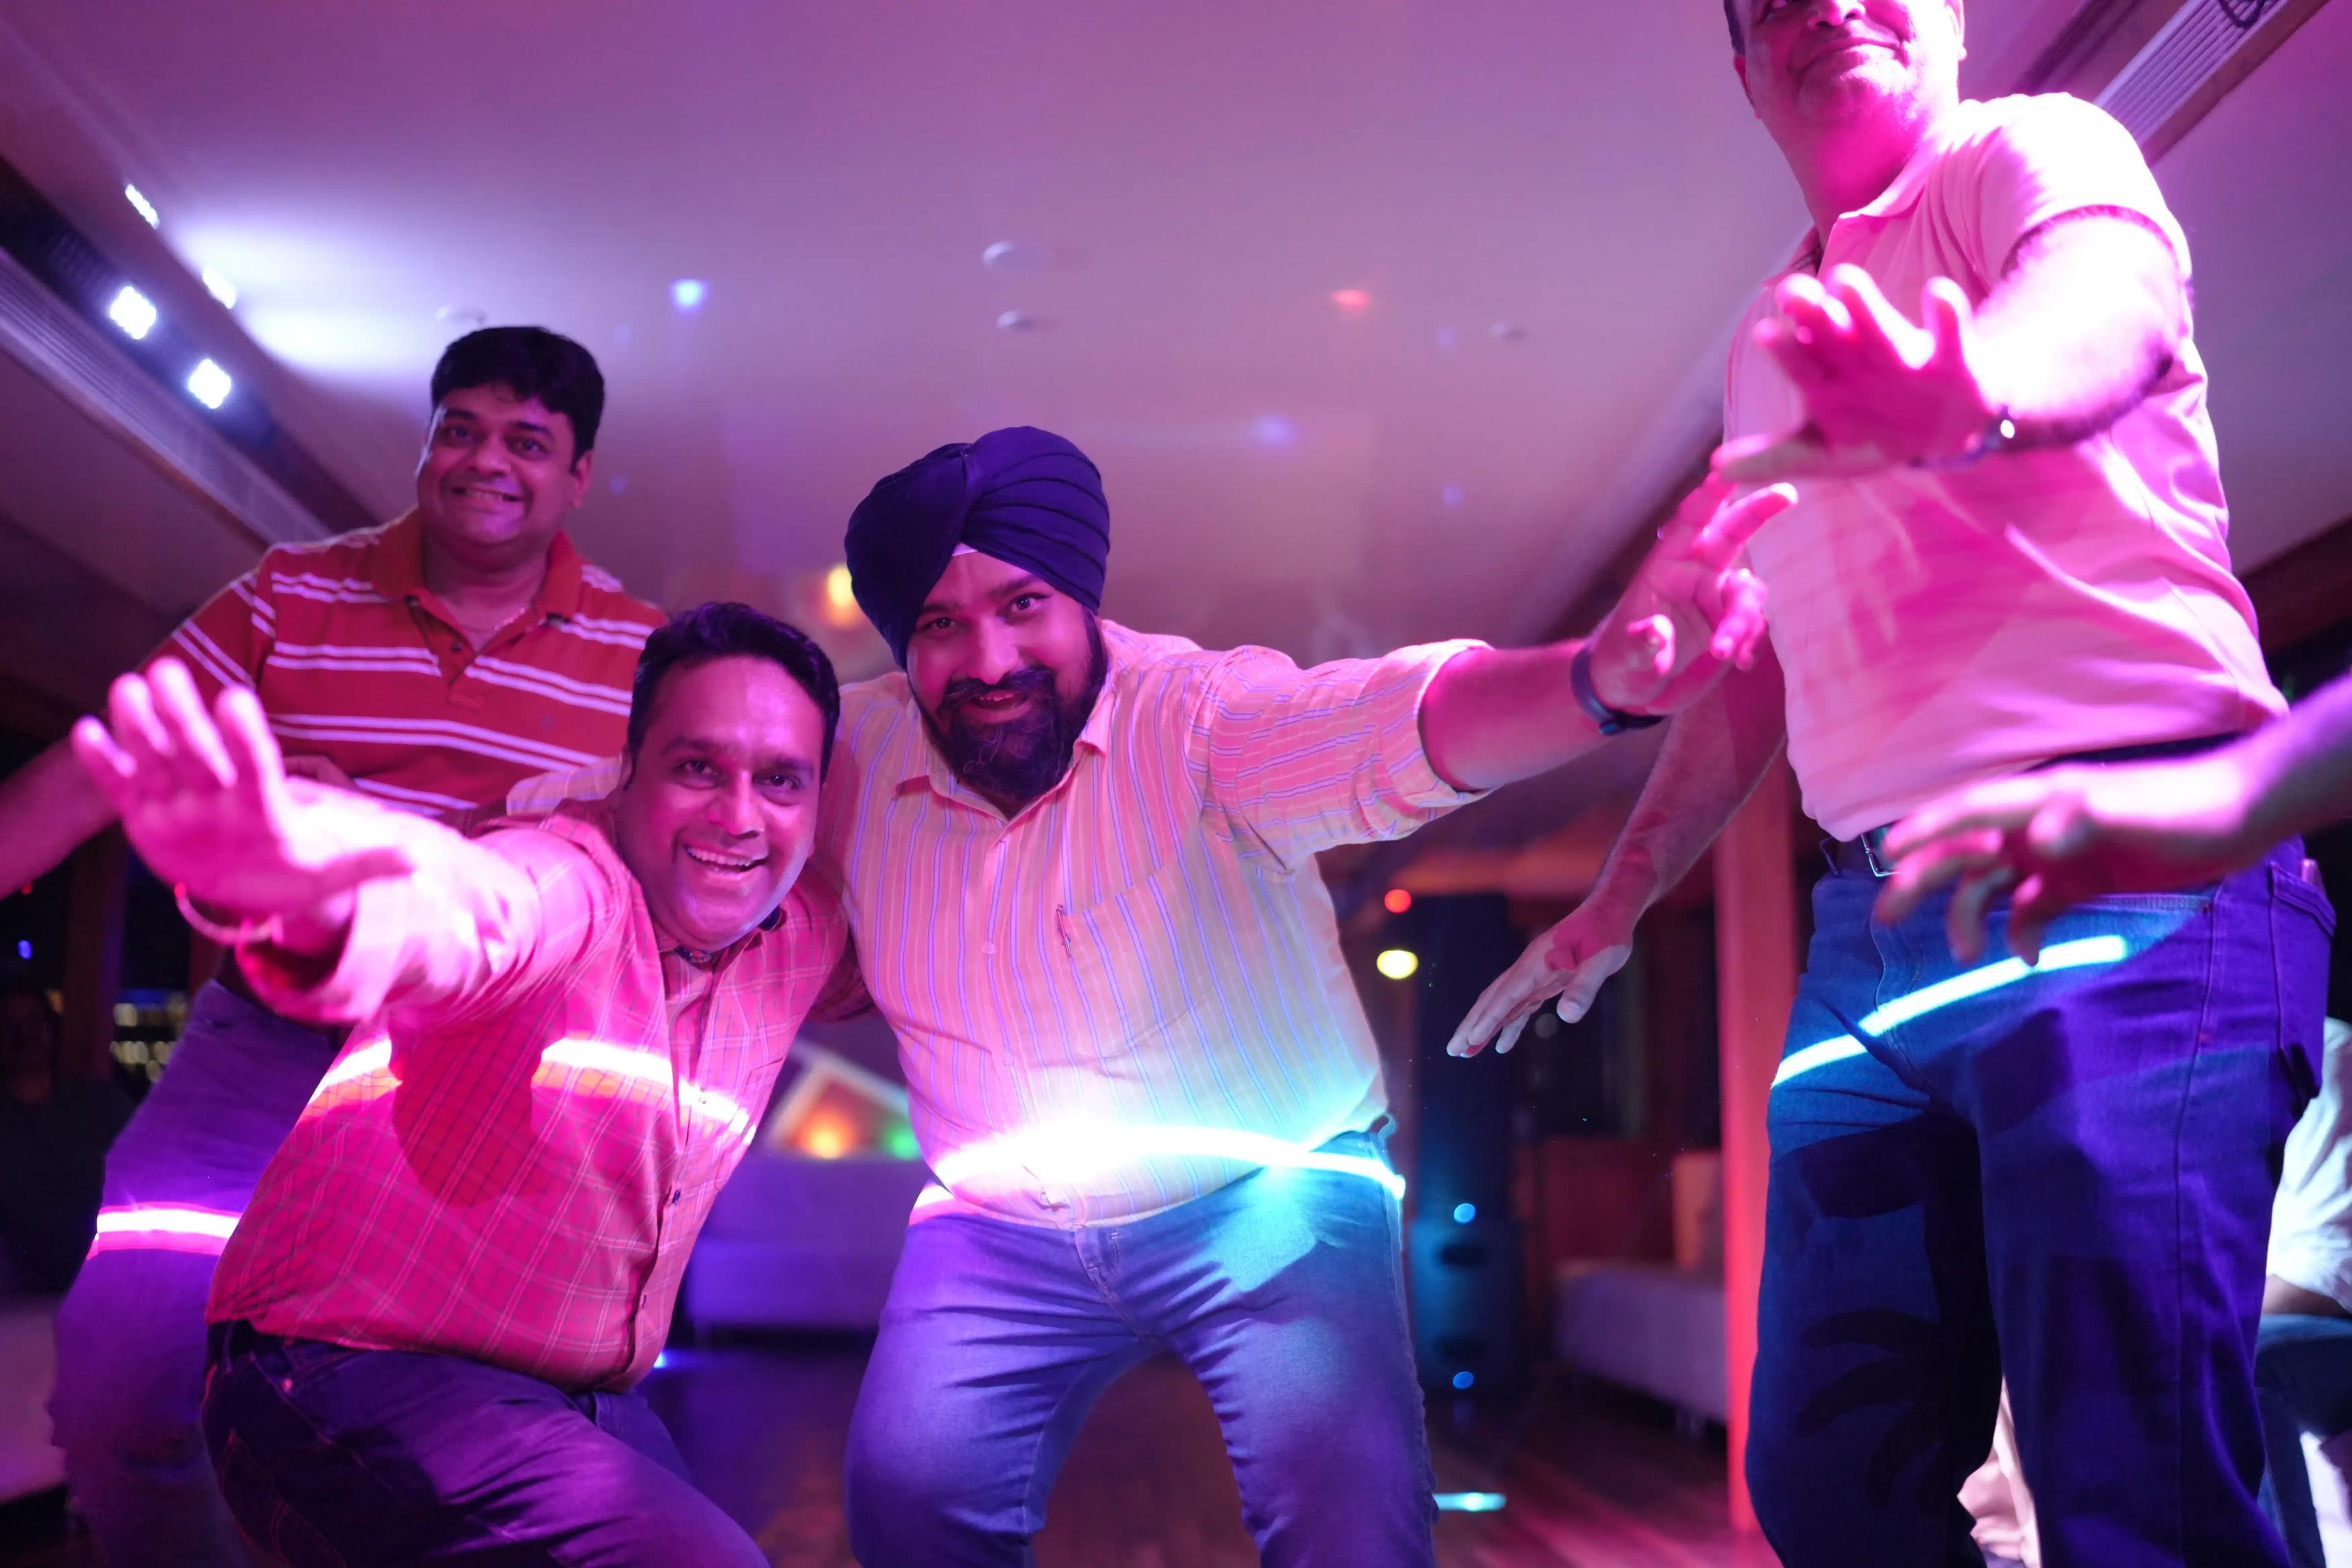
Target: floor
[{"x": 1588, "y": 1481}]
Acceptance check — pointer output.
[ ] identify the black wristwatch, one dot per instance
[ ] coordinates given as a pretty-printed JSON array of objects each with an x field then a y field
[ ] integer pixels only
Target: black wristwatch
[
  {"x": 1998, "y": 436},
  {"x": 1612, "y": 721}
]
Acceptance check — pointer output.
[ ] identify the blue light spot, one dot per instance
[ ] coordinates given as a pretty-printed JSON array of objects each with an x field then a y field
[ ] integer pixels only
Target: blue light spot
[
  {"x": 25, "y": 950},
  {"x": 1453, "y": 497},
  {"x": 1274, "y": 430},
  {"x": 689, "y": 293},
  {"x": 661, "y": 1361},
  {"x": 1470, "y": 1503},
  {"x": 1464, "y": 1379},
  {"x": 1464, "y": 1213}
]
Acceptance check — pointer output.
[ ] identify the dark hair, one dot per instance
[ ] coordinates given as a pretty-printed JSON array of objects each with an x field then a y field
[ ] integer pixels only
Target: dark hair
[
  {"x": 724, "y": 630},
  {"x": 1731, "y": 16},
  {"x": 529, "y": 362}
]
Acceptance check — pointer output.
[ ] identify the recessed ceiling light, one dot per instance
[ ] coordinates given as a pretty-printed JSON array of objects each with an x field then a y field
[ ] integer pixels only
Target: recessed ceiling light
[
  {"x": 1013, "y": 256},
  {"x": 1017, "y": 321},
  {"x": 840, "y": 593},
  {"x": 687, "y": 294},
  {"x": 220, "y": 289},
  {"x": 1354, "y": 301},
  {"x": 132, "y": 311},
  {"x": 1398, "y": 963},
  {"x": 209, "y": 384},
  {"x": 146, "y": 208}
]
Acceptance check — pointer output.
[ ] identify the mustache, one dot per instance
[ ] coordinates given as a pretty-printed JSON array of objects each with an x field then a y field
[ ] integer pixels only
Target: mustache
[{"x": 1031, "y": 680}]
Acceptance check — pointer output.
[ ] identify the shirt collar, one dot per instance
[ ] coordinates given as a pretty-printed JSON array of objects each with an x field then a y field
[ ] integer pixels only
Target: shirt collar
[
  {"x": 399, "y": 571},
  {"x": 1902, "y": 193}
]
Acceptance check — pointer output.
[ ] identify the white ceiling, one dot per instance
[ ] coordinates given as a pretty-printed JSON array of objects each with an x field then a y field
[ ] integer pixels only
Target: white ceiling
[{"x": 1200, "y": 178}]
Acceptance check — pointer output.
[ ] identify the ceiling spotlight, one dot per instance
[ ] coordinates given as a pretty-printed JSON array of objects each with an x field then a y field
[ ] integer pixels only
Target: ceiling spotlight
[
  {"x": 146, "y": 208},
  {"x": 1398, "y": 963},
  {"x": 840, "y": 595},
  {"x": 1354, "y": 301},
  {"x": 1396, "y": 900},
  {"x": 1017, "y": 321},
  {"x": 220, "y": 289},
  {"x": 687, "y": 294},
  {"x": 209, "y": 384},
  {"x": 1011, "y": 256},
  {"x": 132, "y": 311}
]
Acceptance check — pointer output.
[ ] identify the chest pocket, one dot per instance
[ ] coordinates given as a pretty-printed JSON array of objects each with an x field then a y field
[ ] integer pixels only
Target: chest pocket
[{"x": 1138, "y": 956}]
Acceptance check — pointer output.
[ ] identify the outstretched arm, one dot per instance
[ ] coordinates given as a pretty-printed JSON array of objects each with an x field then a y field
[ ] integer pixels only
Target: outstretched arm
[
  {"x": 1493, "y": 716},
  {"x": 342, "y": 904},
  {"x": 1712, "y": 757},
  {"x": 2068, "y": 833},
  {"x": 2088, "y": 318}
]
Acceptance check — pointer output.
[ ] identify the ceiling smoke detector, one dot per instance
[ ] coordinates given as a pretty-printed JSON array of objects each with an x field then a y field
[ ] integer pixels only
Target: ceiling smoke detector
[{"x": 1015, "y": 255}]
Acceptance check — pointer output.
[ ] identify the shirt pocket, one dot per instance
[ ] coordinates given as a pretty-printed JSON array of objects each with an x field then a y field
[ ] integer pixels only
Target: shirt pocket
[{"x": 1136, "y": 957}]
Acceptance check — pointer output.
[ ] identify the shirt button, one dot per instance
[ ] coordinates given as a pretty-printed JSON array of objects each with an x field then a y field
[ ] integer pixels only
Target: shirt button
[
  {"x": 989, "y": 948},
  {"x": 678, "y": 1197}
]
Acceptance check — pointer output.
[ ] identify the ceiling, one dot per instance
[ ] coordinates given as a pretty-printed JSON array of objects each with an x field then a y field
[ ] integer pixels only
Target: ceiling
[{"x": 1555, "y": 212}]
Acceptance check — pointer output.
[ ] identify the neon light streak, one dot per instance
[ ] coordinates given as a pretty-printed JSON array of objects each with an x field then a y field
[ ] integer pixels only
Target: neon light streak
[
  {"x": 1470, "y": 1503},
  {"x": 1073, "y": 1152},
  {"x": 2088, "y": 953},
  {"x": 162, "y": 1228}
]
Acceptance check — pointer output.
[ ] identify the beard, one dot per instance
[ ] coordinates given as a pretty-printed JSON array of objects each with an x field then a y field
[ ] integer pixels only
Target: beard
[{"x": 1020, "y": 757}]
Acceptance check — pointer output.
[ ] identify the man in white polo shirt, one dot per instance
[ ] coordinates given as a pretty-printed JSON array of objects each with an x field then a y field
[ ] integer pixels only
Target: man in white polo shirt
[{"x": 2009, "y": 549}]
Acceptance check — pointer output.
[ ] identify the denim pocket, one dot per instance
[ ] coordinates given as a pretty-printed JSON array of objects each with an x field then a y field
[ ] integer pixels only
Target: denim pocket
[{"x": 2303, "y": 929}]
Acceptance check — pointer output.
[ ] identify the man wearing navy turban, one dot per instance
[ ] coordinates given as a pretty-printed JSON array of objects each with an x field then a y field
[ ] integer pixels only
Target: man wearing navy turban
[{"x": 1080, "y": 863}]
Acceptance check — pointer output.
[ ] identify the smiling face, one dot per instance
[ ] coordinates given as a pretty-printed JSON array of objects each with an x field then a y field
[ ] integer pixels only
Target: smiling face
[
  {"x": 1813, "y": 67},
  {"x": 498, "y": 476},
  {"x": 1006, "y": 668},
  {"x": 719, "y": 809}
]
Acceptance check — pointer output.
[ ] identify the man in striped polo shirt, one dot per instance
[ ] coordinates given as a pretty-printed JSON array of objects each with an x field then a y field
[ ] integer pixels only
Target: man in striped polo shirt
[{"x": 430, "y": 664}]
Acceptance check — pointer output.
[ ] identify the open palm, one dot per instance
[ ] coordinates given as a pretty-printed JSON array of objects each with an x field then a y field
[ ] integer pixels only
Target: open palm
[{"x": 205, "y": 798}]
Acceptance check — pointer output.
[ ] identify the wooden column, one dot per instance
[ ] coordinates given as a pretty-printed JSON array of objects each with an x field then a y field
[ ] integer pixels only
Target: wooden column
[
  {"x": 94, "y": 951},
  {"x": 1755, "y": 967}
]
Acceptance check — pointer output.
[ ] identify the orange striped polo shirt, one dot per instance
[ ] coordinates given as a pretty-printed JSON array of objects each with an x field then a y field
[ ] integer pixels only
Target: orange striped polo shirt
[{"x": 356, "y": 660}]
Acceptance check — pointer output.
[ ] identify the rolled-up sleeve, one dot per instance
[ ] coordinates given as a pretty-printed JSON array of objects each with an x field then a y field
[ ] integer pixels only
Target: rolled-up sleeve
[
  {"x": 2053, "y": 155},
  {"x": 473, "y": 923},
  {"x": 1306, "y": 760}
]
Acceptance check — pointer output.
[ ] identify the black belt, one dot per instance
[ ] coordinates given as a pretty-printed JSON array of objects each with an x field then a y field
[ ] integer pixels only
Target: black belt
[{"x": 1865, "y": 855}]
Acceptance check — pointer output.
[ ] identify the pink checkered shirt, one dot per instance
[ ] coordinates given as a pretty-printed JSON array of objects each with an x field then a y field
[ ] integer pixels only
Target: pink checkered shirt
[{"x": 512, "y": 1157}]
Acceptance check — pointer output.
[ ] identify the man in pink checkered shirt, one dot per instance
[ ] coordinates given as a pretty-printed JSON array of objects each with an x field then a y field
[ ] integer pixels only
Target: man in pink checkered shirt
[{"x": 427, "y": 1325}]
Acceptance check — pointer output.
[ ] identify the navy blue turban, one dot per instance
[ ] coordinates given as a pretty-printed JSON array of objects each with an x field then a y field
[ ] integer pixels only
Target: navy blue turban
[{"x": 1025, "y": 496}]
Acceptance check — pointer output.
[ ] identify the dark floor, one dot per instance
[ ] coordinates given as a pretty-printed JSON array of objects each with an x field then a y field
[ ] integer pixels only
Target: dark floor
[{"x": 1591, "y": 1481}]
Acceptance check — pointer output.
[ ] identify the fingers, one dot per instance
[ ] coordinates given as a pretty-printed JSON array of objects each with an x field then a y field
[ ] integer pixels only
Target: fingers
[
  {"x": 108, "y": 765},
  {"x": 1878, "y": 327},
  {"x": 1585, "y": 981},
  {"x": 252, "y": 749},
  {"x": 2036, "y": 904},
  {"x": 1944, "y": 308},
  {"x": 202, "y": 764},
  {"x": 131, "y": 715},
  {"x": 1743, "y": 627},
  {"x": 1731, "y": 526},
  {"x": 1964, "y": 919},
  {"x": 1693, "y": 515},
  {"x": 1514, "y": 989},
  {"x": 1767, "y": 460},
  {"x": 1515, "y": 1028}
]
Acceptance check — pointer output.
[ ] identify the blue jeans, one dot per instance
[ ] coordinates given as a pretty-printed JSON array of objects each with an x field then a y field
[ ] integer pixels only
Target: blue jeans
[
  {"x": 1283, "y": 1292},
  {"x": 2062, "y": 1173},
  {"x": 130, "y": 1334},
  {"x": 333, "y": 1457},
  {"x": 2302, "y": 1373}
]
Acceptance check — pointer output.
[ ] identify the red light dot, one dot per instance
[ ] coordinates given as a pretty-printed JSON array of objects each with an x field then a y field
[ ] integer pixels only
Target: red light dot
[
  {"x": 1398, "y": 900},
  {"x": 1355, "y": 302}
]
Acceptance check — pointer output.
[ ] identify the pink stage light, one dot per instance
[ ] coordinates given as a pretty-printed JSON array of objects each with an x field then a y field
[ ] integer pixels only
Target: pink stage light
[{"x": 1353, "y": 302}]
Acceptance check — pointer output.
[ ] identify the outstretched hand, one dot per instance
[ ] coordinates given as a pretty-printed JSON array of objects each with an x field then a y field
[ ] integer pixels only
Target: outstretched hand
[
  {"x": 2069, "y": 833},
  {"x": 205, "y": 798},
  {"x": 1693, "y": 611},
  {"x": 1570, "y": 961},
  {"x": 1880, "y": 391}
]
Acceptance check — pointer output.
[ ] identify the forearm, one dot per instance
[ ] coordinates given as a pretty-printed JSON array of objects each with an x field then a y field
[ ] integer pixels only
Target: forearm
[
  {"x": 47, "y": 807},
  {"x": 1714, "y": 757},
  {"x": 2300, "y": 768},
  {"x": 1493, "y": 716},
  {"x": 2087, "y": 322}
]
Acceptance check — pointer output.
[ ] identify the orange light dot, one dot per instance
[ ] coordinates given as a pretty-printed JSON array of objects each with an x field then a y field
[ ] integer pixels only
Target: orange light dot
[
  {"x": 1355, "y": 302},
  {"x": 826, "y": 1139},
  {"x": 1398, "y": 900}
]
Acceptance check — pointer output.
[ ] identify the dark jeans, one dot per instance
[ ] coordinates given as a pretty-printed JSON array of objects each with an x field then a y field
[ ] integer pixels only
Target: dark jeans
[
  {"x": 335, "y": 1458},
  {"x": 2064, "y": 1173},
  {"x": 130, "y": 1334},
  {"x": 1283, "y": 1292},
  {"x": 2303, "y": 1371}
]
